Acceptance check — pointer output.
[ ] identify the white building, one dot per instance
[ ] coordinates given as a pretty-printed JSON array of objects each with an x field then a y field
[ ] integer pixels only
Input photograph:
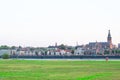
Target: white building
[{"x": 79, "y": 50}]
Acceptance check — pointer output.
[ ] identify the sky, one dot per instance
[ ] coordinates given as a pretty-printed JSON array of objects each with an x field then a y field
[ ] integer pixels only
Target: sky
[{"x": 46, "y": 22}]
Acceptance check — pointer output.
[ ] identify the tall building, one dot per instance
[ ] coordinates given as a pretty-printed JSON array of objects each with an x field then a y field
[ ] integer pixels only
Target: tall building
[{"x": 109, "y": 40}]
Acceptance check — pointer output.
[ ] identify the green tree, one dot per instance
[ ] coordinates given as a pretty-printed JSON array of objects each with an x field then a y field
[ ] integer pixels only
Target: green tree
[
  {"x": 5, "y": 56},
  {"x": 113, "y": 51},
  {"x": 13, "y": 47},
  {"x": 72, "y": 51},
  {"x": 106, "y": 52},
  {"x": 118, "y": 51},
  {"x": 36, "y": 53},
  {"x": 4, "y": 47},
  {"x": 62, "y": 46},
  {"x": 45, "y": 52}
]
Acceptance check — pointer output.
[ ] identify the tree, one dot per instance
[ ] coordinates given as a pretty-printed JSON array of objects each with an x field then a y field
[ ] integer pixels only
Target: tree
[
  {"x": 72, "y": 51},
  {"x": 106, "y": 52},
  {"x": 113, "y": 51},
  {"x": 32, "y": 49},
  {"x": 4, "y": 47},
  {"x": 45, "y": 52},
  {"x": 62, "y": 46},
  {"x": 118, "y": 51},
  {"x": 5, "y": 56},
  {"x": 36, "y": 53},
  {"x": 13, "y": 47}
]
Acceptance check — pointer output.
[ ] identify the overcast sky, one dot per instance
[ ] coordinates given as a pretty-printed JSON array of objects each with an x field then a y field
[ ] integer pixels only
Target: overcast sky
[{"x": 44, "y": 22}]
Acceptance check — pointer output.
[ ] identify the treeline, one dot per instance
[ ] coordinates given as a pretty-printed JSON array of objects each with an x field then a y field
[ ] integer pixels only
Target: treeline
[
  {"x": 4, "y": 47},
  {"x": 112, "y": 51},
  {"x": 8, "y": 47}
]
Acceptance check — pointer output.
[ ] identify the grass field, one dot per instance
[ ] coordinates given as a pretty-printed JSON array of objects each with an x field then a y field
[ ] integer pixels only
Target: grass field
[{"x": 59, "y": 70}]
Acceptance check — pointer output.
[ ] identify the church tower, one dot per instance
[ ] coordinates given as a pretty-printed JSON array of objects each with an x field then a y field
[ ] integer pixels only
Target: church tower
[{"x": 109, "y": 40}]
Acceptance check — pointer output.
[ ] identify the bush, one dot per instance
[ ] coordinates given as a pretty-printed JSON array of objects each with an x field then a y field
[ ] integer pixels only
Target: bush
[{"x": 5, "y": 56}]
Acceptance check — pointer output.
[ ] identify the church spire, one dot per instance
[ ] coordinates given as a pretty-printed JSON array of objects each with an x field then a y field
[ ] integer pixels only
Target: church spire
[
  {"x": 109, "y": 35},
  {"x": 109, "y": 40}
]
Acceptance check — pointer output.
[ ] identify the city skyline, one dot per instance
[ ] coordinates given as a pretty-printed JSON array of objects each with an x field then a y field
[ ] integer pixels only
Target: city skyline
[{"x": 43, "y": 23}]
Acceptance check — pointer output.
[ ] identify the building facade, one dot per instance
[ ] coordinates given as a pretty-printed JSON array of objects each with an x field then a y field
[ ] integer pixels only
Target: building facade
[{"x": 99, "y": 47}]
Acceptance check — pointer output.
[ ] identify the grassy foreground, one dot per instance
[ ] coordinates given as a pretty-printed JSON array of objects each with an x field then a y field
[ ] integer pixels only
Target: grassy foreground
[{"x": 59, "y": 70}]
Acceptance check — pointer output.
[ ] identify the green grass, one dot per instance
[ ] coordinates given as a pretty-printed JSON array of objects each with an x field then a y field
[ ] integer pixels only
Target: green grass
[{"x": 59, "y": 70}]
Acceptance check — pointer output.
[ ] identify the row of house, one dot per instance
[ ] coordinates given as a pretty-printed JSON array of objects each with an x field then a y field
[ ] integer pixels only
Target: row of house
[{"x": 39, "y": 52}]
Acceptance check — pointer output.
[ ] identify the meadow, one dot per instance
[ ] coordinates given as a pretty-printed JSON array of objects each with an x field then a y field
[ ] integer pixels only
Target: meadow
[{"x": 59, "y": 70}]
